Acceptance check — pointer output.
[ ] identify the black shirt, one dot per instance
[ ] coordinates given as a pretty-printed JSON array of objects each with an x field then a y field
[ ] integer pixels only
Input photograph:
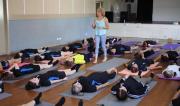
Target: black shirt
[
  {"x": 142, "y": 64},
  {"x": 120, "y": 49},
  {"x": 49, "y": 76},
  {"x": 50, "y": 55},
  {"x": 176, "y": 102},
  {"x": 90, "y": 82},
  {"x": 26, "y": 69},
  {"x": 133, "y": 87}
]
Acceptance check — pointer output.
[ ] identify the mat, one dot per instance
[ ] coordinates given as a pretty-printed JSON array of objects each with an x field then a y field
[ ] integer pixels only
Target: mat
[
  {"x": 43, "y": 89},
  {"x": 31, "y": 75},
  {"x": 111, "y": 100},
  {"x": 171, "y": 46},
  {"x": 87, "y": 96},
  {"x": 115, "y": 62},
  {"x": 162, "y": 77},
  {"x": 4, "y": 95}
]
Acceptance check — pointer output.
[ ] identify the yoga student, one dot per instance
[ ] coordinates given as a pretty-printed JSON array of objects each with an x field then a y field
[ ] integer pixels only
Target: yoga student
[
  {"x": 93, "y": 82},
  {"x": 176, "y": 98},
  {"x": 147, "y": 48},
  {"x": 139, "y": 64},
  {"x": 148, "y": 43},
  {"x": 101, "y": 25},
  {"x": 118, "y": 49},
  {"x": 51, "y": 77},
  {"x": 130, "y": 87},
  {"x": 17, "y": 70},
  {"x": 29, "y": 52},
  {"x": 72, "y": 47},
  {"x": 5, "y": 64},
  {"x": 52, "y": 56},
  {"x": 170, "y": 56},
  {"x": 172, "y": 71},
  {"x": 89, "y": 44},
  {"x": 79, "y": 58},
  {"x": 37, "y": 101},
  {"x": 111, "y": 41}
]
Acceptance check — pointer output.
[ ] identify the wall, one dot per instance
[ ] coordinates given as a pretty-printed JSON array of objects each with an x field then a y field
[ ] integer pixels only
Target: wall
[
  {"x": 38, "y": 23},
  {"x": 158, "y": 31},
  {"x": 46, "y": 32},
  {"x": 3, "y": 43},
  {"x": 166, "y": 10}
]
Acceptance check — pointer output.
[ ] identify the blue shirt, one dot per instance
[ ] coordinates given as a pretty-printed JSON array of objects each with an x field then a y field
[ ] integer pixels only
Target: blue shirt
[{"x": 100, "y": 25}]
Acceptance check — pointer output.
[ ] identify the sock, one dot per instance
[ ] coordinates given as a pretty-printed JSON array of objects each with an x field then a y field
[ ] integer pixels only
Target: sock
[
  {"x": 56, "y": 62},
  {"x": 76, "y": 67},
  {"x": 37, "y": 98},
  {"x": 80, "y": 102},
  {"x": 61, "y": 102}
]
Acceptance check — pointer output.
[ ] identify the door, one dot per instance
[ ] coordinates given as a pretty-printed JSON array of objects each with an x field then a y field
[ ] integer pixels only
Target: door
[{"x": 145, "y": 11}]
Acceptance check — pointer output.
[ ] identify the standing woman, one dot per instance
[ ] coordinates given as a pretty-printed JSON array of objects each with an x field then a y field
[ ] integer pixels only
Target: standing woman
[{"x": 101, "y": 25}]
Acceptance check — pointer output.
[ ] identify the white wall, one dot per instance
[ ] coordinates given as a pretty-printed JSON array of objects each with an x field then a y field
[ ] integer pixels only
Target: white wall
[
  {"x": 158, "y": 31},
  {"x": 166, "y": 10}
]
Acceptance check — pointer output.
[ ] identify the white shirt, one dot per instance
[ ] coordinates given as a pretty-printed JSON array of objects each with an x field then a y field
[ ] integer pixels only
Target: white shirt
[{"x": 174, "y": 68}]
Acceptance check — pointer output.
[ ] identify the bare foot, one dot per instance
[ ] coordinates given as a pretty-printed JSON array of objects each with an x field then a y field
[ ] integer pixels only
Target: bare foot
[
  {"x": 95, "y": 61},
  {"x": 105, "y": 59}
]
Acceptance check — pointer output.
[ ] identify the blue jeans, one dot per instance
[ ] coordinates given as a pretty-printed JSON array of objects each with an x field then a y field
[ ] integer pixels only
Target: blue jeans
[{"x": 102, "y": 39}]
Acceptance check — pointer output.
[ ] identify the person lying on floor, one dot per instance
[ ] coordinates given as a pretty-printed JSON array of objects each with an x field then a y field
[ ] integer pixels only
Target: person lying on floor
[
  {"x": 93, "y": 82},
  {"x": 119, "y": 49},
  {"x": 172, "y": 71},
  {"x": 111, "y": 41},
  {"x": 17, "y": 70},
  {"x": 52, "y": 56},
  {"x": 147, "y": 48},
  {"x": 72, "y": 47},
  {"x": 51, "y": 77},
  {"x": 130, "y": 87},
  {"x": 176, "y": 98},
  {"x": 37, "y": 101},
  {"x": 6, "y": 64},
  {"x": 89, "y": 44},
  {"x": 79, "y": 58},
  {"x": 170, "y": 56},
  {"x": 148, "y": 43},
  {"x": 30, "y": 52},
  {"x": 139, "y": 64}
]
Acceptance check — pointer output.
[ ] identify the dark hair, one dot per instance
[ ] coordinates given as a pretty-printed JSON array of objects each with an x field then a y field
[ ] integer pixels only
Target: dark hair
[
  {"x": 166, "y": 75},
  {"x": 68, "y": 63},
  {"x": 138, "y": 56},
  {"x": 30, "y": 85},
  {"x": 17, "y": 56},
  {"x": 121, "y": 95},
  {"x": 134, "y": 69},
  {"x": 37, "y": 58},
  {"x": 145, "y": 44},
  {"x": 45, "y": 48}
]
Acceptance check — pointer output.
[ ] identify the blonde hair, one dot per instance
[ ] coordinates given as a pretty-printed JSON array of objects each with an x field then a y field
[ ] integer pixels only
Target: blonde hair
[{"x": 102, "y": 11}]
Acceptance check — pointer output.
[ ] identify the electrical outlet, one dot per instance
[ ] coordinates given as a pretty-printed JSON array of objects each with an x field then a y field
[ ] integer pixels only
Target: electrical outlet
[{"x": 59, "y": 38}]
